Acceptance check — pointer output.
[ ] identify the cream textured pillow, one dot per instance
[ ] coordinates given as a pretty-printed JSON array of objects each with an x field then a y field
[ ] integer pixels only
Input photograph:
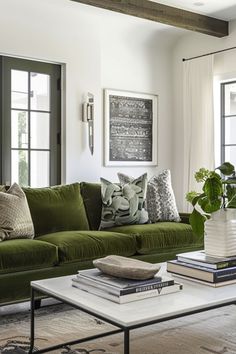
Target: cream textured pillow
[
  {"x": 15, "y": 218},
  {"x": 161, "y": 204}
]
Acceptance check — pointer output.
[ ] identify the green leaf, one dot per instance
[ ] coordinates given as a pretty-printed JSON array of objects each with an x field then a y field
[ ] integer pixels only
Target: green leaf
[
  {"x": 229, "y": 181},
  {"x": 197, "y": 220},
  {"x": 213, "y": 189},
  {"x": 231, "y": 195},
  {"x": 209, "y": 206},
  {"x": 226, "y": 169},
  {"x": 215, "y": 174},
  {"x": 197, "y": 199}
]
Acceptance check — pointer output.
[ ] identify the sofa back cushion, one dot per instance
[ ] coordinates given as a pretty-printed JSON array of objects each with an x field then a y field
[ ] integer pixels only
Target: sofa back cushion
[
  {"x": 58, "y": 208},
  {"x": 91, "y": 193}
]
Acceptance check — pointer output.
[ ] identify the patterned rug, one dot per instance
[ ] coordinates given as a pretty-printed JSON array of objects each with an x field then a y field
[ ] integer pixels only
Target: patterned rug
[{"x": 212, "y": 332}]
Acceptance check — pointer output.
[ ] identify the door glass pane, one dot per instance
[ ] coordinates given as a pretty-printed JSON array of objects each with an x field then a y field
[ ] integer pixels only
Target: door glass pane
[
  {"x": 19, "y": 129},
  {"x": 19, "y": 167},
  {"x": 230, "y": 130},
  {"x": 39, "y": 130},
  {"x": 230, "y": 99},
  {"x": 39, "y": 91},
  {"x": 39, "y": 168},
  {"x": 19, "y": 89},
  {"x": 230, "y": 154}
]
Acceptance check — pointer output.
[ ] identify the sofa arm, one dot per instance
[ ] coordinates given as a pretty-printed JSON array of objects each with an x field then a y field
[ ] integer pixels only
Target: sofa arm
[{"x": 184, "y": 217}]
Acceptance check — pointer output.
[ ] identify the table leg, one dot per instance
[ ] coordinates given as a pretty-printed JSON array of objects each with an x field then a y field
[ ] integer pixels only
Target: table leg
[
  {"x": 126, "y": 341},
  {"x": 32, "y": 308}
]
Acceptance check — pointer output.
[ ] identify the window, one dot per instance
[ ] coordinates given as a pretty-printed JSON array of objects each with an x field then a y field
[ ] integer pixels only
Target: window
[
  {"x": 30, "y": 122},
  {"x": 228, "y": 122}
]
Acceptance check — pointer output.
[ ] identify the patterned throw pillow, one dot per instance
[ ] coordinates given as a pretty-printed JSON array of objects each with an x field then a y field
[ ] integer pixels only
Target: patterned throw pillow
[
  {"x": 160, "y": 203},
  {"x": 123, "y": 204},
  {"x": 15, "y": 218}
]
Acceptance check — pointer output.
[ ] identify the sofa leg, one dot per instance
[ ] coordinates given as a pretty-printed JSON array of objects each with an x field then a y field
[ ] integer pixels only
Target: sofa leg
[{"x": 37, "y": 304}]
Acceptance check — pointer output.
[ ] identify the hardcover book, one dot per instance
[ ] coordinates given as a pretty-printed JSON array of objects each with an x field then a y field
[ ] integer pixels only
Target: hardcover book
[
  {"x": 129, "y": 297},
  {"x": 200, "y": 258},
  {"x": 201, "y": 273},
  {"x": 119, "y": 283},
  {"x": 166, "y": 281},
  {"x": 213, "y": 285}
]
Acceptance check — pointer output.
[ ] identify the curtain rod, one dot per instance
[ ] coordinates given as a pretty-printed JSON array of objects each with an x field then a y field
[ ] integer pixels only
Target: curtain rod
[{"x": 205, "y": 55}]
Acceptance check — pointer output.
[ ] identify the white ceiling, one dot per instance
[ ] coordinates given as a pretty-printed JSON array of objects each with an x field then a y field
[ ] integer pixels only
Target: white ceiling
[{"x": 223, "y": 9}]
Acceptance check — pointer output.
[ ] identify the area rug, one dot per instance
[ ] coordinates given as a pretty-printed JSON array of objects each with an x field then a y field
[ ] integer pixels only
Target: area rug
[{"x": 211, "y": 332}]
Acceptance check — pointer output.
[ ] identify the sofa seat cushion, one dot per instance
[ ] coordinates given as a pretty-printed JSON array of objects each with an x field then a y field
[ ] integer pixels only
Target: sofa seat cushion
[
  {"x": 86, "y": 245},
  {"x": 26, "y": 254},
  {"x": 153, "y": 238}
]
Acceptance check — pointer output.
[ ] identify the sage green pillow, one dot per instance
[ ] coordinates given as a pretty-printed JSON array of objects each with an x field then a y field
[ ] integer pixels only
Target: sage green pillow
[
  {"x": 123, "y": 204},
  {"x": 58, "y": 208}
]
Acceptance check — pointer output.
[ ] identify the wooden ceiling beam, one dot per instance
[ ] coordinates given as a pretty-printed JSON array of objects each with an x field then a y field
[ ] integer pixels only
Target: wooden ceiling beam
[{"x": 168, "y": 15}]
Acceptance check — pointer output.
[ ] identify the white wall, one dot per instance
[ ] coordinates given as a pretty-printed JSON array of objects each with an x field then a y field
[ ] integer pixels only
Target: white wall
[
  {"x": 190, "y": 45},
  {"x": 100, "y": 49},
  {"x": 135, "y": 56}
]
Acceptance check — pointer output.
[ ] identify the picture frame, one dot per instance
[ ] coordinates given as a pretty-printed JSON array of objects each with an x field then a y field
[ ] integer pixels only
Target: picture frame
[{"x": 130, "y": 136}]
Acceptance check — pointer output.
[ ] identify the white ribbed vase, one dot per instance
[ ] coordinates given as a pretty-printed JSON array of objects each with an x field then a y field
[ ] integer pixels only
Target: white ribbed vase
[{"x": 220, "y": 233}]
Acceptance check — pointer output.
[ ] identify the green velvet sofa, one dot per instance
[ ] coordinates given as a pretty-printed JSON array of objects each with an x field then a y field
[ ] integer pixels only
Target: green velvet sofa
[{"x": 66, "y": 221}]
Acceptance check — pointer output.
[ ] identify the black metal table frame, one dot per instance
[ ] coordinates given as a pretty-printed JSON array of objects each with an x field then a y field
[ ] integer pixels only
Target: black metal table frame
[{"x": 121, "y": 329}]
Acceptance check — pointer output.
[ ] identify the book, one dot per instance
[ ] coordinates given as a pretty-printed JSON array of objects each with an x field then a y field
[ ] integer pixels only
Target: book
[
  {"x": 201, "y": 273},
  {"x": 166, "y": 281},
  {"x": 214, "y": 285},
  {"x": 129, "y": 297},
  {"x": 200, "y": 258},
  {"x": 120, "y": 283}
]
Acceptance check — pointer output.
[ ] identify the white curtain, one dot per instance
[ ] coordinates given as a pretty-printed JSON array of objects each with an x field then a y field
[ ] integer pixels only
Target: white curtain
[{"x": 198, "y": 118}]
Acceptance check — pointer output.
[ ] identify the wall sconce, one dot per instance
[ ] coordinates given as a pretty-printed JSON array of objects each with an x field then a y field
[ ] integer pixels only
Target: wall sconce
[{"x": 88, "y": 117}]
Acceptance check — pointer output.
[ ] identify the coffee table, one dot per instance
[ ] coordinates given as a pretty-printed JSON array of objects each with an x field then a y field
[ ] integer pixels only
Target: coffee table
[{"x": 194, "y": 298}]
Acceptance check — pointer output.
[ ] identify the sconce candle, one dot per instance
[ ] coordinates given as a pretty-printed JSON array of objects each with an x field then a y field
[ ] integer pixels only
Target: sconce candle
[{"x": 88, "y": 116}]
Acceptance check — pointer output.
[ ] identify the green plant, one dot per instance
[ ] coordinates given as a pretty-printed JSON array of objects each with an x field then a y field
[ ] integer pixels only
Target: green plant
[{"x": 218, "y": 191}]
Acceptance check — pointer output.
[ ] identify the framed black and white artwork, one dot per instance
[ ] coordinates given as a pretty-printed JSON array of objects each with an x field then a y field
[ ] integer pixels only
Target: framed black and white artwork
[{"x": 130, "y": 128}]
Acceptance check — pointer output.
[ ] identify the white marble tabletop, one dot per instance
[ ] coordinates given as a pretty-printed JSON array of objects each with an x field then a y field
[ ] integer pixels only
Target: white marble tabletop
[{"x": 194, "y": 296}]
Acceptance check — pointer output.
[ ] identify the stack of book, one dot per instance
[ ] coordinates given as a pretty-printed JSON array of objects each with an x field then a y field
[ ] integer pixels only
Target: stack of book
[
  {"x": 122, "y": 290},
  {"x": 197, "y": 266}
]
